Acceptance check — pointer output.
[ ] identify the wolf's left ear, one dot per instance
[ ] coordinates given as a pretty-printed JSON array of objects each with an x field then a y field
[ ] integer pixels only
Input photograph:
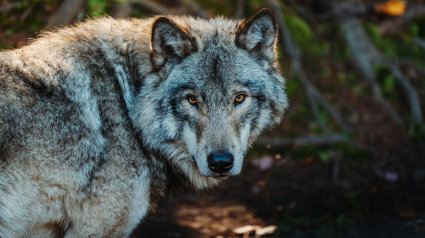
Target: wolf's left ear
[
  {"x": 170, "y": 42},
  {"x": 257, "y": 35}
]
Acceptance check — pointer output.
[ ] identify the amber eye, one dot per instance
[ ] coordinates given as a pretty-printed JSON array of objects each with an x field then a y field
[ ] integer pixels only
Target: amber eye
[
  {"x": 239, "y": 98},
  {"x": 192, "y": 99}
]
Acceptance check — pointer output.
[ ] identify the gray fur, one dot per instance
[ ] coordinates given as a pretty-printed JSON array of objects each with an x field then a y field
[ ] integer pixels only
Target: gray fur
[{"x": 96, "y": 128}]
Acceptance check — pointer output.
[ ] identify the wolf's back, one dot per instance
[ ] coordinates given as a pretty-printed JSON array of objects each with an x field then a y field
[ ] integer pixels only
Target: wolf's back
[{"x": 62, "y": 109}]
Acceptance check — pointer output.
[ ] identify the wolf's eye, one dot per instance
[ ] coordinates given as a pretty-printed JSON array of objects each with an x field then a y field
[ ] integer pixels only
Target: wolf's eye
[
  {"x": 239, "y": 98},
  {"x": 192, "y": 99}
]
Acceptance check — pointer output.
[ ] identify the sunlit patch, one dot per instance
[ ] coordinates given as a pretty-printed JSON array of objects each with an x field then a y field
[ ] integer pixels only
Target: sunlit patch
[{"x": 213, "y": 219}]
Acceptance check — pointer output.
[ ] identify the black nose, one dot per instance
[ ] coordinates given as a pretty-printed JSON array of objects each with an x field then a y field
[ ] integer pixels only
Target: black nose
[{"x": 220, "y": 162}]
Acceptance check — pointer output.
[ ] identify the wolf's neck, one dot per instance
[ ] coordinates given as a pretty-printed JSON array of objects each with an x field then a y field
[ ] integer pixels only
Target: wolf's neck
[
  {"x": 129, "y": 57},
  {"x": 166, "y": 179}
]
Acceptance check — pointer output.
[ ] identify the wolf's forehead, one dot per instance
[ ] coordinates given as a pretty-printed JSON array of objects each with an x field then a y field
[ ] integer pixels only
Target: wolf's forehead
[
  {"x": 217, "y": 65},
  {"x": 218, "y": 29}
]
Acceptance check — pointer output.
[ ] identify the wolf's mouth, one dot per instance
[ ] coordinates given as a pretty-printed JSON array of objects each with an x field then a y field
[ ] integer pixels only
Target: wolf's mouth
[{"x": 221, "y": 177}]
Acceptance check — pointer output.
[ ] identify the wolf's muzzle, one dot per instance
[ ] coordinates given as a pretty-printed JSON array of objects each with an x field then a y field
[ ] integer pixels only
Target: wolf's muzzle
[{"x": 220, "y": 162}]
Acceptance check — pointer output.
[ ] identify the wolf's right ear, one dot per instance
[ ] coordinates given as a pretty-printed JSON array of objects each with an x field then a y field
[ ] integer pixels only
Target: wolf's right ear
[
  {"x": 258, "y": 34},
  {"x": 170, "y": 42}
]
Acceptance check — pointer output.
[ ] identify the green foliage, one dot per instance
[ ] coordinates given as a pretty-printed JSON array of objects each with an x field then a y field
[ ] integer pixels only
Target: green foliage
[
  {"x": 301, "y": 113},
  {"x": 304, "y": 37},
  {"x": 386, "y": 81},
  {"x": 352, "y": 153},
  {"x": 398, "y": 45},
  {"x": 326, "y": 72},
  {"x": 293, "y": 87},
  {"x": 417, "y": 28},
  {"x": 325, "y": 156},
  {"x": 338, "y": 49},
  {"x": 358, "y": 89},
  {"x": 135, "y": 12},
  {"x": 305, "y": 151},
  {"x": 96, "y": 7},
  {"x": 300, "y": 30},
  {"x": 417, "y": 132},
  {"x": 6, "y": 45},
  {"x": 253, "y": 5},
  {"x": 13, "y": 22}
]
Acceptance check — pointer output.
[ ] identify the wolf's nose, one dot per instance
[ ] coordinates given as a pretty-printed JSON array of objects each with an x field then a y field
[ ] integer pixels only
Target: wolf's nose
[{"x": 220, "y": 162}]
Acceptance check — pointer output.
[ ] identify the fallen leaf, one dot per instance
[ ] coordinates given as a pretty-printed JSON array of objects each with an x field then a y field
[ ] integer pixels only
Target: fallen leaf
[{"x": 391, "y": 8}]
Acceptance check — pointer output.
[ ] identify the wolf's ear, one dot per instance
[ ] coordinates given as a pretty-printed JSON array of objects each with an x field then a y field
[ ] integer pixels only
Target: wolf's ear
[
  {"x": 170, "y": 42},
  {"x": 257, "y": 35}
]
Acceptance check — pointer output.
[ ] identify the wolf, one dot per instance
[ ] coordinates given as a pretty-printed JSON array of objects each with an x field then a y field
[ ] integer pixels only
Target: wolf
[{"x": 99, "y": 121}]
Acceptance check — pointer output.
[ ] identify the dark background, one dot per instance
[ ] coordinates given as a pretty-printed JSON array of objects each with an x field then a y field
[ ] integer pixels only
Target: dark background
[{"x": 348, "y": 159}]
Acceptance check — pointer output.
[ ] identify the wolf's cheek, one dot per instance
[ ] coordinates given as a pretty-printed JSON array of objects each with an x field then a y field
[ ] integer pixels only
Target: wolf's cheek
[
  {"x": 189, "y": 137},
  {"x": 241, "y": 147},
  {"x": 170, "y": 127}
]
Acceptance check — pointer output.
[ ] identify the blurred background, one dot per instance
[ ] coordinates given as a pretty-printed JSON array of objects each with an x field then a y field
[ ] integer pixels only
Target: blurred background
[{"x": 348, "y": 159}]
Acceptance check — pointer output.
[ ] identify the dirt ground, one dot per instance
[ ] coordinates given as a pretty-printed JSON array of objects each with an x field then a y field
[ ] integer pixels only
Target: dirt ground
[{"x": 300, "y": 198}]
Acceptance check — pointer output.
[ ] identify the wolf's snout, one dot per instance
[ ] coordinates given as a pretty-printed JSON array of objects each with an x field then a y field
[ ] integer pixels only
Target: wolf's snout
[{"x": 220, "y": 162}]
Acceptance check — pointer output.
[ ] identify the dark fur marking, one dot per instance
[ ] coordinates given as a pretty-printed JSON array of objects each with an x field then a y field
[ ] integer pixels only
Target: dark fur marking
[
  {"x": 33, "y": 86},
  {"x": 4, "y": 151},
  {"x": 106, "y": 75},
  {"x": 58, "y": 229},
  {"x": 38, "y": 86},
  {"x": 199, "y": 129}
]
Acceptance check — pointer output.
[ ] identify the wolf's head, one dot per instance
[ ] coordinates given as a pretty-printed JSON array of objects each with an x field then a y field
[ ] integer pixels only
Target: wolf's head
[{"x": 214, "y": 89}]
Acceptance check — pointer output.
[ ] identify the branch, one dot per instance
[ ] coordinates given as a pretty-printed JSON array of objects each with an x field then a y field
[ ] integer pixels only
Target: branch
[
  {"x": 365, "y": 55},
  {"x": 419, "y": 42},
  {"x": 67, "y": 13},
  {"x": 410, "y": 92}
]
